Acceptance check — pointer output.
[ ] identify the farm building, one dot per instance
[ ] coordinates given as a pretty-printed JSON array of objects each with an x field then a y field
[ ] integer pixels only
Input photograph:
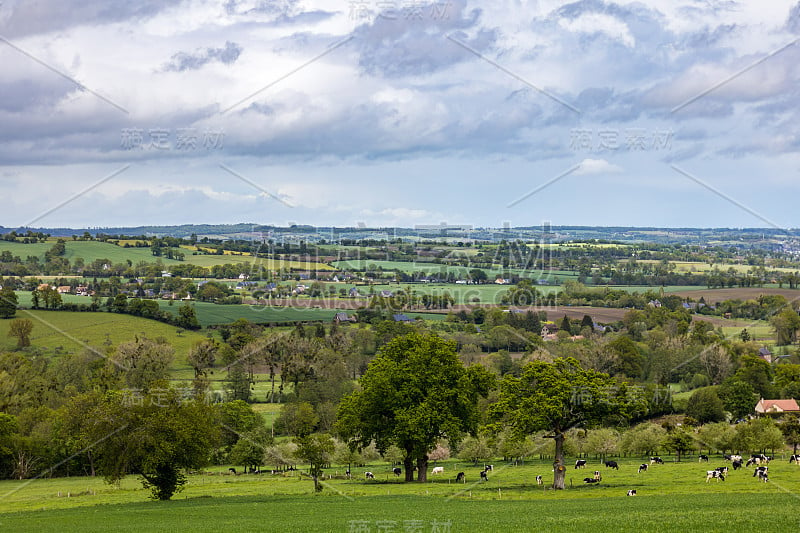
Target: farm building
[
  {"x": 777, "y": 406},
  {"x": 343, "y": 317}
]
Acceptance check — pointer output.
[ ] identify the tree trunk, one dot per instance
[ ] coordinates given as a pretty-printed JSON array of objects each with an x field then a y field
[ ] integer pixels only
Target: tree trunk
[
  {"x": 91, "y": 462},
  {"x": 560, "y": 471},
  {"x": 408, "y": 467},
  {"x": 422, "y": 469}
]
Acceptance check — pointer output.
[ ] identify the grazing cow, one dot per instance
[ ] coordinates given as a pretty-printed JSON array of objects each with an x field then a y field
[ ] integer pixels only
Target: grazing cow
[
  {"x": 232, "y": 471},
  {"x": 461, "y": 477},
  {"x": 702, "y": 458},
  {"x": 539, "y": 480},
  {"x": 714, "y": 474},
  {"x": 580, "y": 463},
  {"x": 488, "y": 468},
  {"x": 642, "y": 468},
  {"x": 590, "y": 480},
  {"x": 722, "y": 470},
  {"x": 437, "y": 470},
  {"x": 632, "y": 492},
  {"x": 761, "y": 472},
  {"x": 737, "y": 465},
  {"x": 753, "y": 461},
  {"x": 794, "y": 459},
  {"x": 484, "y": 477},
  {"x": 611, "y": 464},
  {"x": 597, "y": 475},
  {"x": 369, "y": 475},
  {"x": 735, "y": 457},
  {"x": 656, "y": 461},
  {"x": 726, "y": 457},
  {"x": 397, "y": 471}
]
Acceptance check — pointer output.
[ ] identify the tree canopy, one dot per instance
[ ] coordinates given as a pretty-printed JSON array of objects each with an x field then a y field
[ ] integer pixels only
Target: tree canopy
[
  {"x": 415, "y": 392},
  {"x": 557, "y": 396}
]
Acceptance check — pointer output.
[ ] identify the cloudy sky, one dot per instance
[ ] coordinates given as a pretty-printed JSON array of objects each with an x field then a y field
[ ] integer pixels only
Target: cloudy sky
[{"x": 400, "y": 112}]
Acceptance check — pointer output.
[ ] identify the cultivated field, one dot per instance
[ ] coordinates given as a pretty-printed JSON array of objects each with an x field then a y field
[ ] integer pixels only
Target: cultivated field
[
  {"x": 671, "y": 497},
  {"x": 748, "y": 293}
]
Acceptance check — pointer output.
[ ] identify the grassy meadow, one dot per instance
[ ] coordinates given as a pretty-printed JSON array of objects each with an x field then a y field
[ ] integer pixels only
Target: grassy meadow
[{"x": 671, "y": 497}]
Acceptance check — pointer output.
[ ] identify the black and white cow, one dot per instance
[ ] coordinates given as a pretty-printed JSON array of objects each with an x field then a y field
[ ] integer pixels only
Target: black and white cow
[
  {"x": 656, "y": 461},
  {"x": 539, "y": 480},
  {"x": 714, "y": 474},
  {"x": 488, "y": 468},
  {"x": 794, "y": 459},
  {"x": 762, "y": 473},
  {"x": 722, "y": 470},
  {"x": 642, "y": 468},
  {"x": 611, "y": 464},
  {"x": 632, "y": 492},
  {"x": 484, "y": 477},
  {"x": 397, "y": 471},
  {"x": 369, "y": 475},
  {"x": 753, "y": 461},
  {"x": 590, "y": 480},
  {"x": 580, "y": 463},
  {"x": 597, "y": 475},
  {"x": 735, "y": 457},
  {"x": 232, "y": 471},
  {"x": 461, "y": 477},
  {"x": 702, "y": 458},
  {"x": 737, "y": 464}
]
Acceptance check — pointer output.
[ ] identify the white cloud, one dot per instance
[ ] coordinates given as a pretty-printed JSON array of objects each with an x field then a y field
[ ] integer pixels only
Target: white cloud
[
  {"x": 596, "y": 166},
  {"x": 599, "y": 23}
]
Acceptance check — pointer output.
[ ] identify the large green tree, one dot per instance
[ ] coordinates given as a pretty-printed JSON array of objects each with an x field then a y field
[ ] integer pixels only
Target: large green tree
[
  {"x": 705, "y": 406},
  {"x": 415, "y": 392},
  {"x": 8, "y": 302},
  {"x": 157, "y": 438},
  {"x": 557, "y": 396},
  {"x": 21, "y": 328}
]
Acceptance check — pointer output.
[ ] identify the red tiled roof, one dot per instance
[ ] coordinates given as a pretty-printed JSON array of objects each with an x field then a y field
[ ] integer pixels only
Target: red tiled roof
[{"x": 778, "y": 405}]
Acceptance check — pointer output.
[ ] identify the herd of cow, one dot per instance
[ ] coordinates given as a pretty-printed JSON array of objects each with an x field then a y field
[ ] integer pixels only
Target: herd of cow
[{"x": 759, "y": 460}]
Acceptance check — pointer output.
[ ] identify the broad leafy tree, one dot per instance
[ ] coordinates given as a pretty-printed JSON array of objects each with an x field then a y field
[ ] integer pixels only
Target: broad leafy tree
[
  {"x": 157, "y": 438},
  {"x": 415, "y": 392},
  {"x": 8, "y": 302},
  {"x": 142, "y": 361},
  {"x": 21, "y": 328},
  {"x": 705, "y": 406},
  {"x": 790, "y": 427},
  {"x": 557, "y": 396},
  {"x": 187, "y": 319},
  {"x": 316, "y": 450}
]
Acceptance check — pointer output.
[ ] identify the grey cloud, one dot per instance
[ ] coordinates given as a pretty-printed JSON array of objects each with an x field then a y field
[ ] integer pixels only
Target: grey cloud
[
  {"x": 793, "y": 20},
  {"x": 395, "y": 45},
  {"x": 45, "y": 16},
  {"x": 182, "y": 61}
]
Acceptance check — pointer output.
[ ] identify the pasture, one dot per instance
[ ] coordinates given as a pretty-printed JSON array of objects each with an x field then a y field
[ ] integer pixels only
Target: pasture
[
  {"x": 436, "y": 268},
  {"x": 68, "y": 332},
  {"x": 671, "y": 497}
]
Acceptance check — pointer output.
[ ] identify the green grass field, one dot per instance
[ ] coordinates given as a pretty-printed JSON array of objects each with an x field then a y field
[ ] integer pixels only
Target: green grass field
[
  {"x": 88, "y": 250},
  {"x": 434, "y": 268},
  {"x": 92, "y": 250},
  {"x": 73, "y": 331},
  {"x": 671, "y": 497}
]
